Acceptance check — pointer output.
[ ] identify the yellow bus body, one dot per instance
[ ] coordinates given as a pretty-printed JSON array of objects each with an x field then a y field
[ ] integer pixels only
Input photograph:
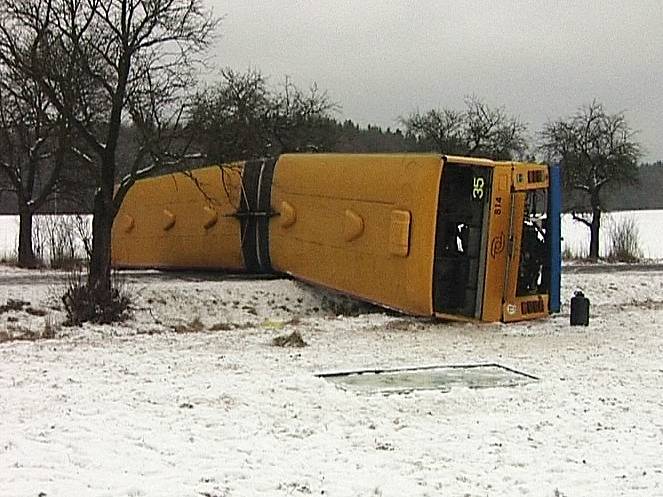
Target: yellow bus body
[
  {"x": 181, "y": 221},
  {"x": 367, "y": 225}
]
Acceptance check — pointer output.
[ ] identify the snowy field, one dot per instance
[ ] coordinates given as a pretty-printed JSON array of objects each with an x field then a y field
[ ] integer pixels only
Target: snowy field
[
  {"x": 574, "y": 234},
  {"x": 165, "y": 406}
]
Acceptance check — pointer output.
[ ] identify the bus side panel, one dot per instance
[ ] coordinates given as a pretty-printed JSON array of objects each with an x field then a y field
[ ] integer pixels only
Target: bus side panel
[
  {"x": 360, "y": 224},
  {"x": 181, "y": 220}
]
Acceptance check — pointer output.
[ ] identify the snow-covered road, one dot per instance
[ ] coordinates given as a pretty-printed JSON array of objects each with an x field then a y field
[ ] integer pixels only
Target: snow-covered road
[{"x": 141, "y": 410}]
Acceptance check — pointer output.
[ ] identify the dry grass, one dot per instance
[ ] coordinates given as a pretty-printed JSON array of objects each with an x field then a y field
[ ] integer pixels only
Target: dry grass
[
  {"x": 399, "y": 324},
  {"x": 9, "y": 258},
  {"x": 624, "y": 241},
  {"x": 221, "y": 327},
  {"x": 50, "y": 327},
  {"x": 16, "y": 305},
  {"x": 36, "y": 312},
  {"x": 17, "y": 332},
  {"x": 194, "y": 326},
  {"x": 575, "y": 253}
]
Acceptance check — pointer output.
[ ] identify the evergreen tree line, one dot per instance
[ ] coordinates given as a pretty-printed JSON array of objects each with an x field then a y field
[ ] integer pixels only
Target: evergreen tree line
[{"x": 644, "y": 194}]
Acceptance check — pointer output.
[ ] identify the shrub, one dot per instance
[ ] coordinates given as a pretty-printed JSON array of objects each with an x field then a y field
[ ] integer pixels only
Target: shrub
[
  {"x": 624, "y": 241},
  {"x": 84, "y": 304},
  {"x": 62, "y": 241},
  {"x": 576, "y": 252}
]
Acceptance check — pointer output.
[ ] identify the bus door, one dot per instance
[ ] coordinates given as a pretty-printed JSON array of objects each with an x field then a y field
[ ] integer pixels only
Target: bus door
[{"x": 527, "y": 280}]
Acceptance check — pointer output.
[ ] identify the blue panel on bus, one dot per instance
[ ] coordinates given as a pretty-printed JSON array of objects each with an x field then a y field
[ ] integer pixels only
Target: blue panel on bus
[{"x": 555, "y": 235}]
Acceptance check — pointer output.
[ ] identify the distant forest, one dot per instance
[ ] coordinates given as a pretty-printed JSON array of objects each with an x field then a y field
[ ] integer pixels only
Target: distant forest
[
  {"x": 349, "y": 137},
  {"x": 646, "y": 194}
]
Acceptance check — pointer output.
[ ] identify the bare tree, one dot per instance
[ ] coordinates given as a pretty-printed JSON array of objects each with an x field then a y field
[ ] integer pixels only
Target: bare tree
[
  {"x": 104, "y": 63},
  {"x": 242, "y": 117},
  {"x": 33, "y": 146},
  {"x": 478, "y": 130},
  {"x": 230, "y": 117},
  {"x": 596, "y": 149},
  {"x": 300, "y": 120},
  {"x": 441, "y": 128}
]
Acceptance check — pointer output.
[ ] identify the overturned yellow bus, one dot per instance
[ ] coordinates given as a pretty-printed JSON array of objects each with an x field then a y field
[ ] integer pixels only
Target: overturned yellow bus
[{"x": 429, "y": 235}]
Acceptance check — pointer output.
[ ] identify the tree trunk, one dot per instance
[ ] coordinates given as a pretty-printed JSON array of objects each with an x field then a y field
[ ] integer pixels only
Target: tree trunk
[
  {"x": 594, "y": 230},
  {"x": 99, "y": 277},
  {"x": 26, "y": 255}
]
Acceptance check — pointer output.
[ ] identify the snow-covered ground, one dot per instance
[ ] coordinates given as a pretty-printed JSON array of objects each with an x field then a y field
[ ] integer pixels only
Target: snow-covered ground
[{"x": 143, "y": 410}]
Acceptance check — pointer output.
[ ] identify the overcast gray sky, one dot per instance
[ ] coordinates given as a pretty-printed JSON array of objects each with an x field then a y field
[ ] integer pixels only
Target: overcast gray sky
[{"x": 384, "y": 59}]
